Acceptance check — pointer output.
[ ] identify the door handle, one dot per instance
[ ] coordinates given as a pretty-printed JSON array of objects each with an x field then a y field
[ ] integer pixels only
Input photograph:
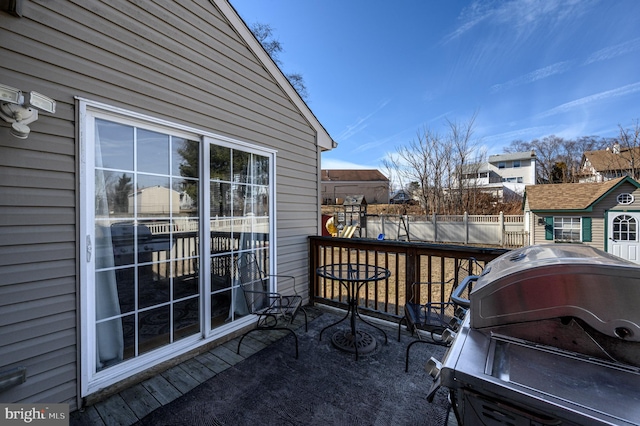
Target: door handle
[{"x": 89, "y": 248}]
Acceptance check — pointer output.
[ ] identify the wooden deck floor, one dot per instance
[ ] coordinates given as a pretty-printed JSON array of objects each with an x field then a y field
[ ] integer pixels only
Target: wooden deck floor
[{"x": 134, "y": 403}]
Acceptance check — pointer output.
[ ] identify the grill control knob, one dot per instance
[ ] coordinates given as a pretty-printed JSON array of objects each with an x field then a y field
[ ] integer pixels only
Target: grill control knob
[
  {"x": 433, "y": 367},
  {"x": 454, "y": 324},
  {"x": 448, "y": 335}
]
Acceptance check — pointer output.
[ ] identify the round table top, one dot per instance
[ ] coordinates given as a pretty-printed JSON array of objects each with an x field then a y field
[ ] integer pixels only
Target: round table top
[{"x": 353, "y": 272}]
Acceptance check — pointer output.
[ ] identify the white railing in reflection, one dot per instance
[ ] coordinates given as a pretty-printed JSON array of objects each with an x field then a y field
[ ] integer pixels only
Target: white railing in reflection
[{"x": 253, "y": 224}]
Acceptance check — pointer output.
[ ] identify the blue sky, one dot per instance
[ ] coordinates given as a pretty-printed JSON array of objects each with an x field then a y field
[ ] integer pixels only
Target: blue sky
[{"x": 379, "y": 72}]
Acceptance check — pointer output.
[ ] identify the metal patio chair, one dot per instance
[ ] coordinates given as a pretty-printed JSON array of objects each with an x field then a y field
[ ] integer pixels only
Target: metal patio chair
[
  {"x": 274, "y": 310},
  {"x": 427, "y": 319}
]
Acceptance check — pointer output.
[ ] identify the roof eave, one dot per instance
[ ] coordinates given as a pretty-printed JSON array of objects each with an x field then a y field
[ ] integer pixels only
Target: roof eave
[{"x": 323, "y": 139}]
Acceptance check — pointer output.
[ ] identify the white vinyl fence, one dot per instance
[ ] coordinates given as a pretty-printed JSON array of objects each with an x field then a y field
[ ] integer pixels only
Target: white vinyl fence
[{"x": 501, "y": 230}]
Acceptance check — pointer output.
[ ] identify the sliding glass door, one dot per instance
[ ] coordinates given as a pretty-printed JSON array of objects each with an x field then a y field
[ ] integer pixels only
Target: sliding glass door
[{"x": 159, "y": 273}]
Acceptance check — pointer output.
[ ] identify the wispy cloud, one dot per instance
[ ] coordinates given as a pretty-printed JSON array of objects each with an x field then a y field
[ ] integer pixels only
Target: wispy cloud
[
  {"x": 614, "y": 51},
  {"x": 539, "y": 74},
  {"x": 520, "y": 16},
  {"x": 608, "y": 94},
  {"x": 360, "y": 124},
  {"x": 519, "y": 134}
]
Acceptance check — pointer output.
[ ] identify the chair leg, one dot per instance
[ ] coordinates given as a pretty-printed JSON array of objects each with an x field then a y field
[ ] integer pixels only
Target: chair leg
[
  {"x": 403, "y": 319},
  {"x": 406, "y": 360},
  {"x": 306, "y": 327}
]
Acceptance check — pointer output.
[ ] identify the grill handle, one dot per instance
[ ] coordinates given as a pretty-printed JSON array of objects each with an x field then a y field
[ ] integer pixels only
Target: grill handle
[{"x": 456, "y": 296}]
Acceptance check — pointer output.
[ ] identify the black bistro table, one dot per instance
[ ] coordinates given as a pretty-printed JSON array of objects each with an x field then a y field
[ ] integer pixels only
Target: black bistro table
[{"x": 353, "y": 276}]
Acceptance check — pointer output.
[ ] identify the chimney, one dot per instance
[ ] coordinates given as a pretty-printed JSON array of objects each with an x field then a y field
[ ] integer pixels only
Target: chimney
[{"x": 616, "y": 148}]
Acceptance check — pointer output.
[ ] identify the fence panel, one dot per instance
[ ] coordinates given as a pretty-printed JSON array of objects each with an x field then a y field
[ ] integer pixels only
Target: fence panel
[{"x": 500, "y": 230}]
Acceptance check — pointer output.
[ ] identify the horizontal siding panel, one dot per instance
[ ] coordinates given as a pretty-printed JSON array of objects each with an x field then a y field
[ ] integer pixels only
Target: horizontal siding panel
[
  {"x": 65, "y": 393},
  {"x": 36, "y": 308},
  {"x": 36, "y": 253},
  {"x": 36, "y": 234},
  {"x": 191, "y": 110},
  {"x": 37, "y": 290},
  {"x": 200, "y": 43},
  {"x": 35, "y": 178},
  {"x": 28, "y": 159},
  {"x": 25, "y": 216},
  {"x": 27, "y": 328},
  {"x": 52, "y": 342},
  {"x": 37, "y": 197},
  {"x": 41, "y": 386},
  {"x": 166, "y": 64},
  {"x": 13, "y": 274},
  {"x": 41, "y": 363}
]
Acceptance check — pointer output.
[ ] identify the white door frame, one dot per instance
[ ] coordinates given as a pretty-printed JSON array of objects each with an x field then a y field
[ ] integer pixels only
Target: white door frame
[{"x": 624, "y": 248}]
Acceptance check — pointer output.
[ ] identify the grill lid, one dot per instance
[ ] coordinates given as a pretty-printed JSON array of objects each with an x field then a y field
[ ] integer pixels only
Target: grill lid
[{"x": 556, "y": 281}]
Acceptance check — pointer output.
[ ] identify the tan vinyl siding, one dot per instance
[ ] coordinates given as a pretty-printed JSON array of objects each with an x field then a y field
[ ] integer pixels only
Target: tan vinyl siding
[{"x": 178, "y": 61}]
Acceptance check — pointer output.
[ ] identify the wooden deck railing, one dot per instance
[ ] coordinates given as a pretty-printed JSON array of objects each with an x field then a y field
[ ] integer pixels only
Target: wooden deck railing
[{"x": 407, "y": 262}]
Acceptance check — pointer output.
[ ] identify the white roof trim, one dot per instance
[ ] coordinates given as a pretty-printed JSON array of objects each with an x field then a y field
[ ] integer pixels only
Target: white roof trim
[{"x": 323, "y": 139}]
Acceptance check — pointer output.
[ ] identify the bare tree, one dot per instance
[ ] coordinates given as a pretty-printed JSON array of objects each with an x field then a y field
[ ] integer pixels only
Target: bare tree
[
  {"x": 435, "y": 166},
  {"x": 466, "y": 161},
  {"x": 630, "y": 145},
  {"x": 264, "y": 34},
  {"x": 558, "y": 159}
]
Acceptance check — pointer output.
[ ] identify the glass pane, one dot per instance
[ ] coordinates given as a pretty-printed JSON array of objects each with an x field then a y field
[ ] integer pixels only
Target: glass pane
[
  {"x": 220, "y": 308},
  {"x": 154, "y": 197},
  {"x": 153, "y": 152},
  {"x": 241, "y": 166},
  {"x": 109, "y": 336},
  {"x": 261, "y": 170},
  {"x": 153, "y": 284},
  {"x": 129, "y": 336},
  {"x": 185, "y": 284},
  {"x": 261, "y": 205},
  {"x": 221, "y": 267},
  {"x": 221, "y": 239},
  {"x": 114, "y": 194},
  {"x": 220, "y": 163},
  {"x": 220, "y": 200},
  {"x": 185, "y": 158},
  {"x": 113, "y": 288},
  {"x": 186, "y": 318},
  {"x": 187, "y": 192},
  {"x": 153, "y": 328},
  {"x": 241, "y": 200},
  {"x": 113, "y": 145},
  {"x": 103, "y": 245}
]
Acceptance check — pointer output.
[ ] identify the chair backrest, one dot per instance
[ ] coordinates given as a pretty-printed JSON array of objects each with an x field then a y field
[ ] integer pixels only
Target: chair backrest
[{"x": 253, "y": 282}]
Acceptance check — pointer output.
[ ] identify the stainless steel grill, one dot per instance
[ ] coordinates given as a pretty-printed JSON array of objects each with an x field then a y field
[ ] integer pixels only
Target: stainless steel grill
[{"x": 551, "y": 336}]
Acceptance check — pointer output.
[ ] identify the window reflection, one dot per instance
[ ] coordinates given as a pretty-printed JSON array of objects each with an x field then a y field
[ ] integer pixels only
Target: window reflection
[
  {"x": 146, "y": 231},
  {"x": 152, "y": 152},
  {"x": 114, "y": 145},
  {"x": 220, "y": 163}
]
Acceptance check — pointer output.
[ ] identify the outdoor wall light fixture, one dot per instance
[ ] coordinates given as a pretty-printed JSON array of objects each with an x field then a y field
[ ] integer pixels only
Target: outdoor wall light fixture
[{"x": 22, "y": 109}]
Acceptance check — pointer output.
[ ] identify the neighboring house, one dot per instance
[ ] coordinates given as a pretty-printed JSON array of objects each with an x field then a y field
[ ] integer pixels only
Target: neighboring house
[
  {"x": 607, "y": 164},
  {"x": 178, "y": 98},
  {"x": 605, "y": 215},
  {"x": 154, "y": 201},
  {"x": 503, "y": 175},
  {"x": 338, "y": 184},
  {"x": 401, "y": 197}
]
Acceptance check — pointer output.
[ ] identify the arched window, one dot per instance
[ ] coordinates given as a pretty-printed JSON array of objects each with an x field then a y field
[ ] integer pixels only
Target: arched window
[{"x": 625, "y": 228}]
